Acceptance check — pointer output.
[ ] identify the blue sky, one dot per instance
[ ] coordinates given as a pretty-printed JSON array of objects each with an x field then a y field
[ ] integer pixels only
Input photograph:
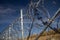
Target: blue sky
[{"x": 9, "y": 10}]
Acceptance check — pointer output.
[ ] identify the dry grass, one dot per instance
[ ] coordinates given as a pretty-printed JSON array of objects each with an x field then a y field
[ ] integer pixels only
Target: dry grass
[{"x": 51, "y": 35}]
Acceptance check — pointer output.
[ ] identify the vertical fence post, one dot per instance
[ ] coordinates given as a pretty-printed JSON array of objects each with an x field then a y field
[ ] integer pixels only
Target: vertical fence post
[{"x": 22, "y": 24}]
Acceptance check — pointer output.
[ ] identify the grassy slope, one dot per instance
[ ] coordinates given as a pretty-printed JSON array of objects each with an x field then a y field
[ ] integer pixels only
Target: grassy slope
[{"x": 48, "y": 36}]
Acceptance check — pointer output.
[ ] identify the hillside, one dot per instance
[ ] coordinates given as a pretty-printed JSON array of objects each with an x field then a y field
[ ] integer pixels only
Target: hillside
[{"x": 50, "y": 35}]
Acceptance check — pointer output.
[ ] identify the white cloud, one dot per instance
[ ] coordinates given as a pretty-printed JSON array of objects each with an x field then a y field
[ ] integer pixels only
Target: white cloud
[
  {"x": 54, "y": 2},
  {"x": 6, "y": 10}
]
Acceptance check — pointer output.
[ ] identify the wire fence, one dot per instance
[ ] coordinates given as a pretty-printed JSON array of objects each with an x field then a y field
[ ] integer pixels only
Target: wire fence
[{"x": 36, "y": 21}]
